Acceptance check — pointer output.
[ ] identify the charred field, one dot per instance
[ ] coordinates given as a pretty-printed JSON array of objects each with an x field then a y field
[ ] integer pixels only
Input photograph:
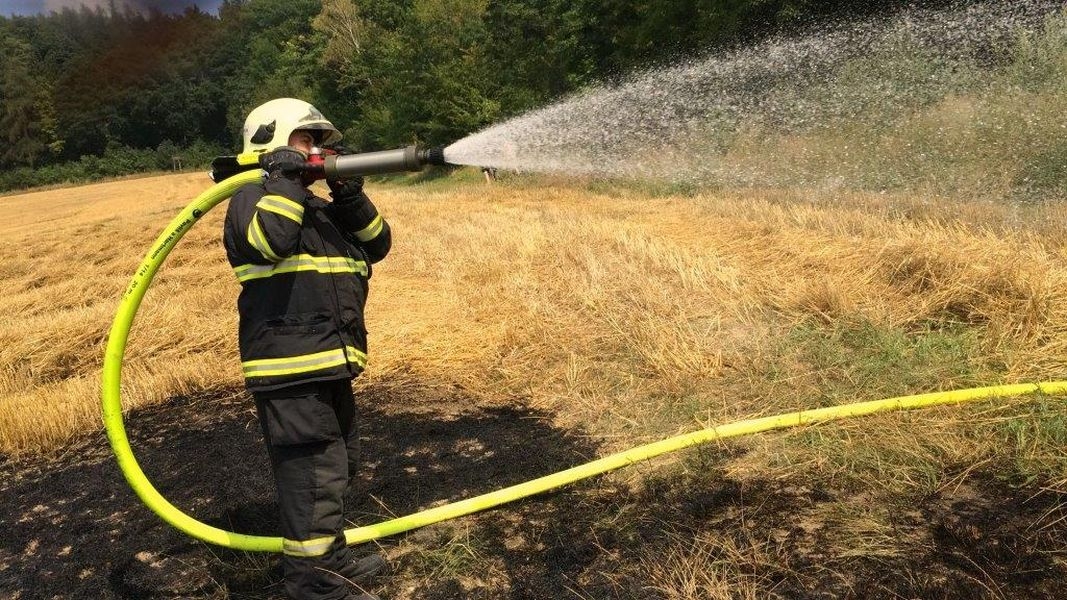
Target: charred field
[{"x": 74, "y": 530}]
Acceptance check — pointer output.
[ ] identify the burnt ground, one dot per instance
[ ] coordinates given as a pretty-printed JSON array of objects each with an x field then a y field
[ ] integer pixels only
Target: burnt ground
[{"x": 71, "y": 528}]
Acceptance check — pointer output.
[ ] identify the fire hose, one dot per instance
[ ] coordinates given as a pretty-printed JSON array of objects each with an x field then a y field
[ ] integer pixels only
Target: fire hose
[{"x": 237, "y": 175}]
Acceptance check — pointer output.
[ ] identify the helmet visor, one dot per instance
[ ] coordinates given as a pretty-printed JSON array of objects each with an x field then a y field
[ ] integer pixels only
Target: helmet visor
[{"x": 324, "y": 133}]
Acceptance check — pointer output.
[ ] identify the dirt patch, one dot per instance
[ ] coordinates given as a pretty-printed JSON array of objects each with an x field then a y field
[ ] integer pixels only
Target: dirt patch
[{"x": 73, "y": 529}]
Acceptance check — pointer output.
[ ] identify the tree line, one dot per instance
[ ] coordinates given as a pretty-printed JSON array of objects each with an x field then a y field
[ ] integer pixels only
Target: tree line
[{"x": 86, "y": 93}]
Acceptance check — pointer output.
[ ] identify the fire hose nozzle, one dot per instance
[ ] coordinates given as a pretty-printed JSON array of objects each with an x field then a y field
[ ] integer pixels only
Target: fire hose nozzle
[
  {"x": 411, "y": 158},
  {"x": 340, "y": 166}
]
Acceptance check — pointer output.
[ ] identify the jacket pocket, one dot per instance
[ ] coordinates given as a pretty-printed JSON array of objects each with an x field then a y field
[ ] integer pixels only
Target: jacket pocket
[
  {"x": 299, "y": 324},
  {"x": 296, "y": 420}
]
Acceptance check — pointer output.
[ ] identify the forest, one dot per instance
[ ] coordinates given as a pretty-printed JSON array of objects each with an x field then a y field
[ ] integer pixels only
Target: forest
[{"x": 89, "y": 93}]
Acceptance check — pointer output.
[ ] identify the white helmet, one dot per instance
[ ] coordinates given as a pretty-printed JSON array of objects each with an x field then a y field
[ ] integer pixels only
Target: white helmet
[{"x": 269, "y": 125}]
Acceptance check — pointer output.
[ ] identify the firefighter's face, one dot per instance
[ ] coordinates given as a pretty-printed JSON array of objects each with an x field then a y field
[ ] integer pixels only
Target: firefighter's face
[{"x": 302, "y": 140}]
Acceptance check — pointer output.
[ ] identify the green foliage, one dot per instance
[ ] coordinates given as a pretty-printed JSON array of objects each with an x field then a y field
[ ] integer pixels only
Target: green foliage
[
  {"x": 27, "y": 122},
  {"x": 393, "y": 72},
  {"x": 115, "y": 161},
  {"x": 411, "y": 72}
]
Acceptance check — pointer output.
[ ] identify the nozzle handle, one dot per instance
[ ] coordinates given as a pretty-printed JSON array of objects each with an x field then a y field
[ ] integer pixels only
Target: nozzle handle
[{"x": 224, "y": 167}]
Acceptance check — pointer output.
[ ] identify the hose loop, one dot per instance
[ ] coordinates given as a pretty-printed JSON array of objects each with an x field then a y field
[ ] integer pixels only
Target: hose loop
[{"x": 116, "y": 432}]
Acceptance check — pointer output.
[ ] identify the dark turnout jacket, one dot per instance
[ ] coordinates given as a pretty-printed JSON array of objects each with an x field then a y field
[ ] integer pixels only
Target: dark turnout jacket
[{"x": 304, "y": 265}]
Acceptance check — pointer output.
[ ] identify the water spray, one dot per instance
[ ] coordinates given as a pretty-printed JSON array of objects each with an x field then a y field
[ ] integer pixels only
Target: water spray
[{"x": 766, "y": 114}]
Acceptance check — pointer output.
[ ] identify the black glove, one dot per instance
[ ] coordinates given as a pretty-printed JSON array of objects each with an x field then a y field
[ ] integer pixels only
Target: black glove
[
  {"x": 285, "y": 161},
  {"x": 345, "y": 191},
  {"x": 340, "y": 150}
]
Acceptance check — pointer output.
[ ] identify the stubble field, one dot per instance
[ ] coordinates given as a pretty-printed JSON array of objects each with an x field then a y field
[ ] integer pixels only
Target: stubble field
[{"x": 526, "y": 326}]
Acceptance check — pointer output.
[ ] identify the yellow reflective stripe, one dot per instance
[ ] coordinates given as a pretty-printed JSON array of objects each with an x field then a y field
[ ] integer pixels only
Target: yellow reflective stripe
[
  {"x": 304, "y": 363},
  {"x": 313, "y": 547},
  {"x": 249, "y": 158},
  {"x": 258, "y": 239},
  {"x": 356, "y": 356},
  {"x": 302, "y": 262},
  {"x": 291, "y": 365},
  {"x": 280, "y": 205},
  {"x": 371, "y": 231}
]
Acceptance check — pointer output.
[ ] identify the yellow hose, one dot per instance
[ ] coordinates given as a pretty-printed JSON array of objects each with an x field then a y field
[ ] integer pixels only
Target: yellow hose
[
  {"x": 113, "y": 422},
  {"x": 111, "y": 379},
  {"x": 735, "y": 429}
]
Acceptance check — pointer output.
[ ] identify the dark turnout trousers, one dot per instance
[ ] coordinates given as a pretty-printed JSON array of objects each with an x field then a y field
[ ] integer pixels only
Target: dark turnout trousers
[{"x": 310, "y": 431}]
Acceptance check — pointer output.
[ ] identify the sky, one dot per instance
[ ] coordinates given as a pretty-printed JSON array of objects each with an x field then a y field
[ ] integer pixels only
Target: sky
[{"x": 35, "y": 7}]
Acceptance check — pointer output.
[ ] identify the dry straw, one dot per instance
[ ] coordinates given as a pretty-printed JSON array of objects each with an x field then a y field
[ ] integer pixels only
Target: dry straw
[{"x": 629, "y": 315}]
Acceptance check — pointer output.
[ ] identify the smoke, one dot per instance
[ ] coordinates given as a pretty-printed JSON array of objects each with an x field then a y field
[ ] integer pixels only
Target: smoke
[{"x": 141, "y": 6}]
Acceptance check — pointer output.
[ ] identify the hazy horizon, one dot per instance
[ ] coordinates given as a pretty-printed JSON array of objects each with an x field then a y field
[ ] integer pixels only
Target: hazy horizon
[{"x": 39, "y": 7}]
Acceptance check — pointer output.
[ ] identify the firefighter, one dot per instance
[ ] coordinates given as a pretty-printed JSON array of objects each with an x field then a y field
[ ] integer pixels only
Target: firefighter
[{"x": 304, "y": 265}]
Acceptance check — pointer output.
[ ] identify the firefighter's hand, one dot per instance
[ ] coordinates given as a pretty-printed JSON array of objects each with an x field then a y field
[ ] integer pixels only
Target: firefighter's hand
[
  {"x": 285, "y": 161},
  {"x": 345, "y": 191}
]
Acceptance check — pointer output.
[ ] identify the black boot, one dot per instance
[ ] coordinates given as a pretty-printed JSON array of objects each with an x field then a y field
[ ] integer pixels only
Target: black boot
[{"x": 365, "y": 568}]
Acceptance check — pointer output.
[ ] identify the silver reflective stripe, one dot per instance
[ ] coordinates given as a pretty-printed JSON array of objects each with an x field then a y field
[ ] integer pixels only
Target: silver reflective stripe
[
  {"x": 304, "y": 363},
  {"x": 282, "y": 206},
  {"x": 302, "y": 262},
  {"x": 308, "y": 548},
  {"x": 371, "y": 231},
  {"x": 291, "y": 365}
]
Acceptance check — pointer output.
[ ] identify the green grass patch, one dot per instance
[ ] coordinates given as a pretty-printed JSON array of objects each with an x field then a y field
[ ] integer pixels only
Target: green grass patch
[
  {"x": 434, "y": 178},
  {"x": 819, "y": 365},
  {"x": 1035, "y": 442},
  {"x": 848, "y": 362},
  {"x": 446, "y": 552}
]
